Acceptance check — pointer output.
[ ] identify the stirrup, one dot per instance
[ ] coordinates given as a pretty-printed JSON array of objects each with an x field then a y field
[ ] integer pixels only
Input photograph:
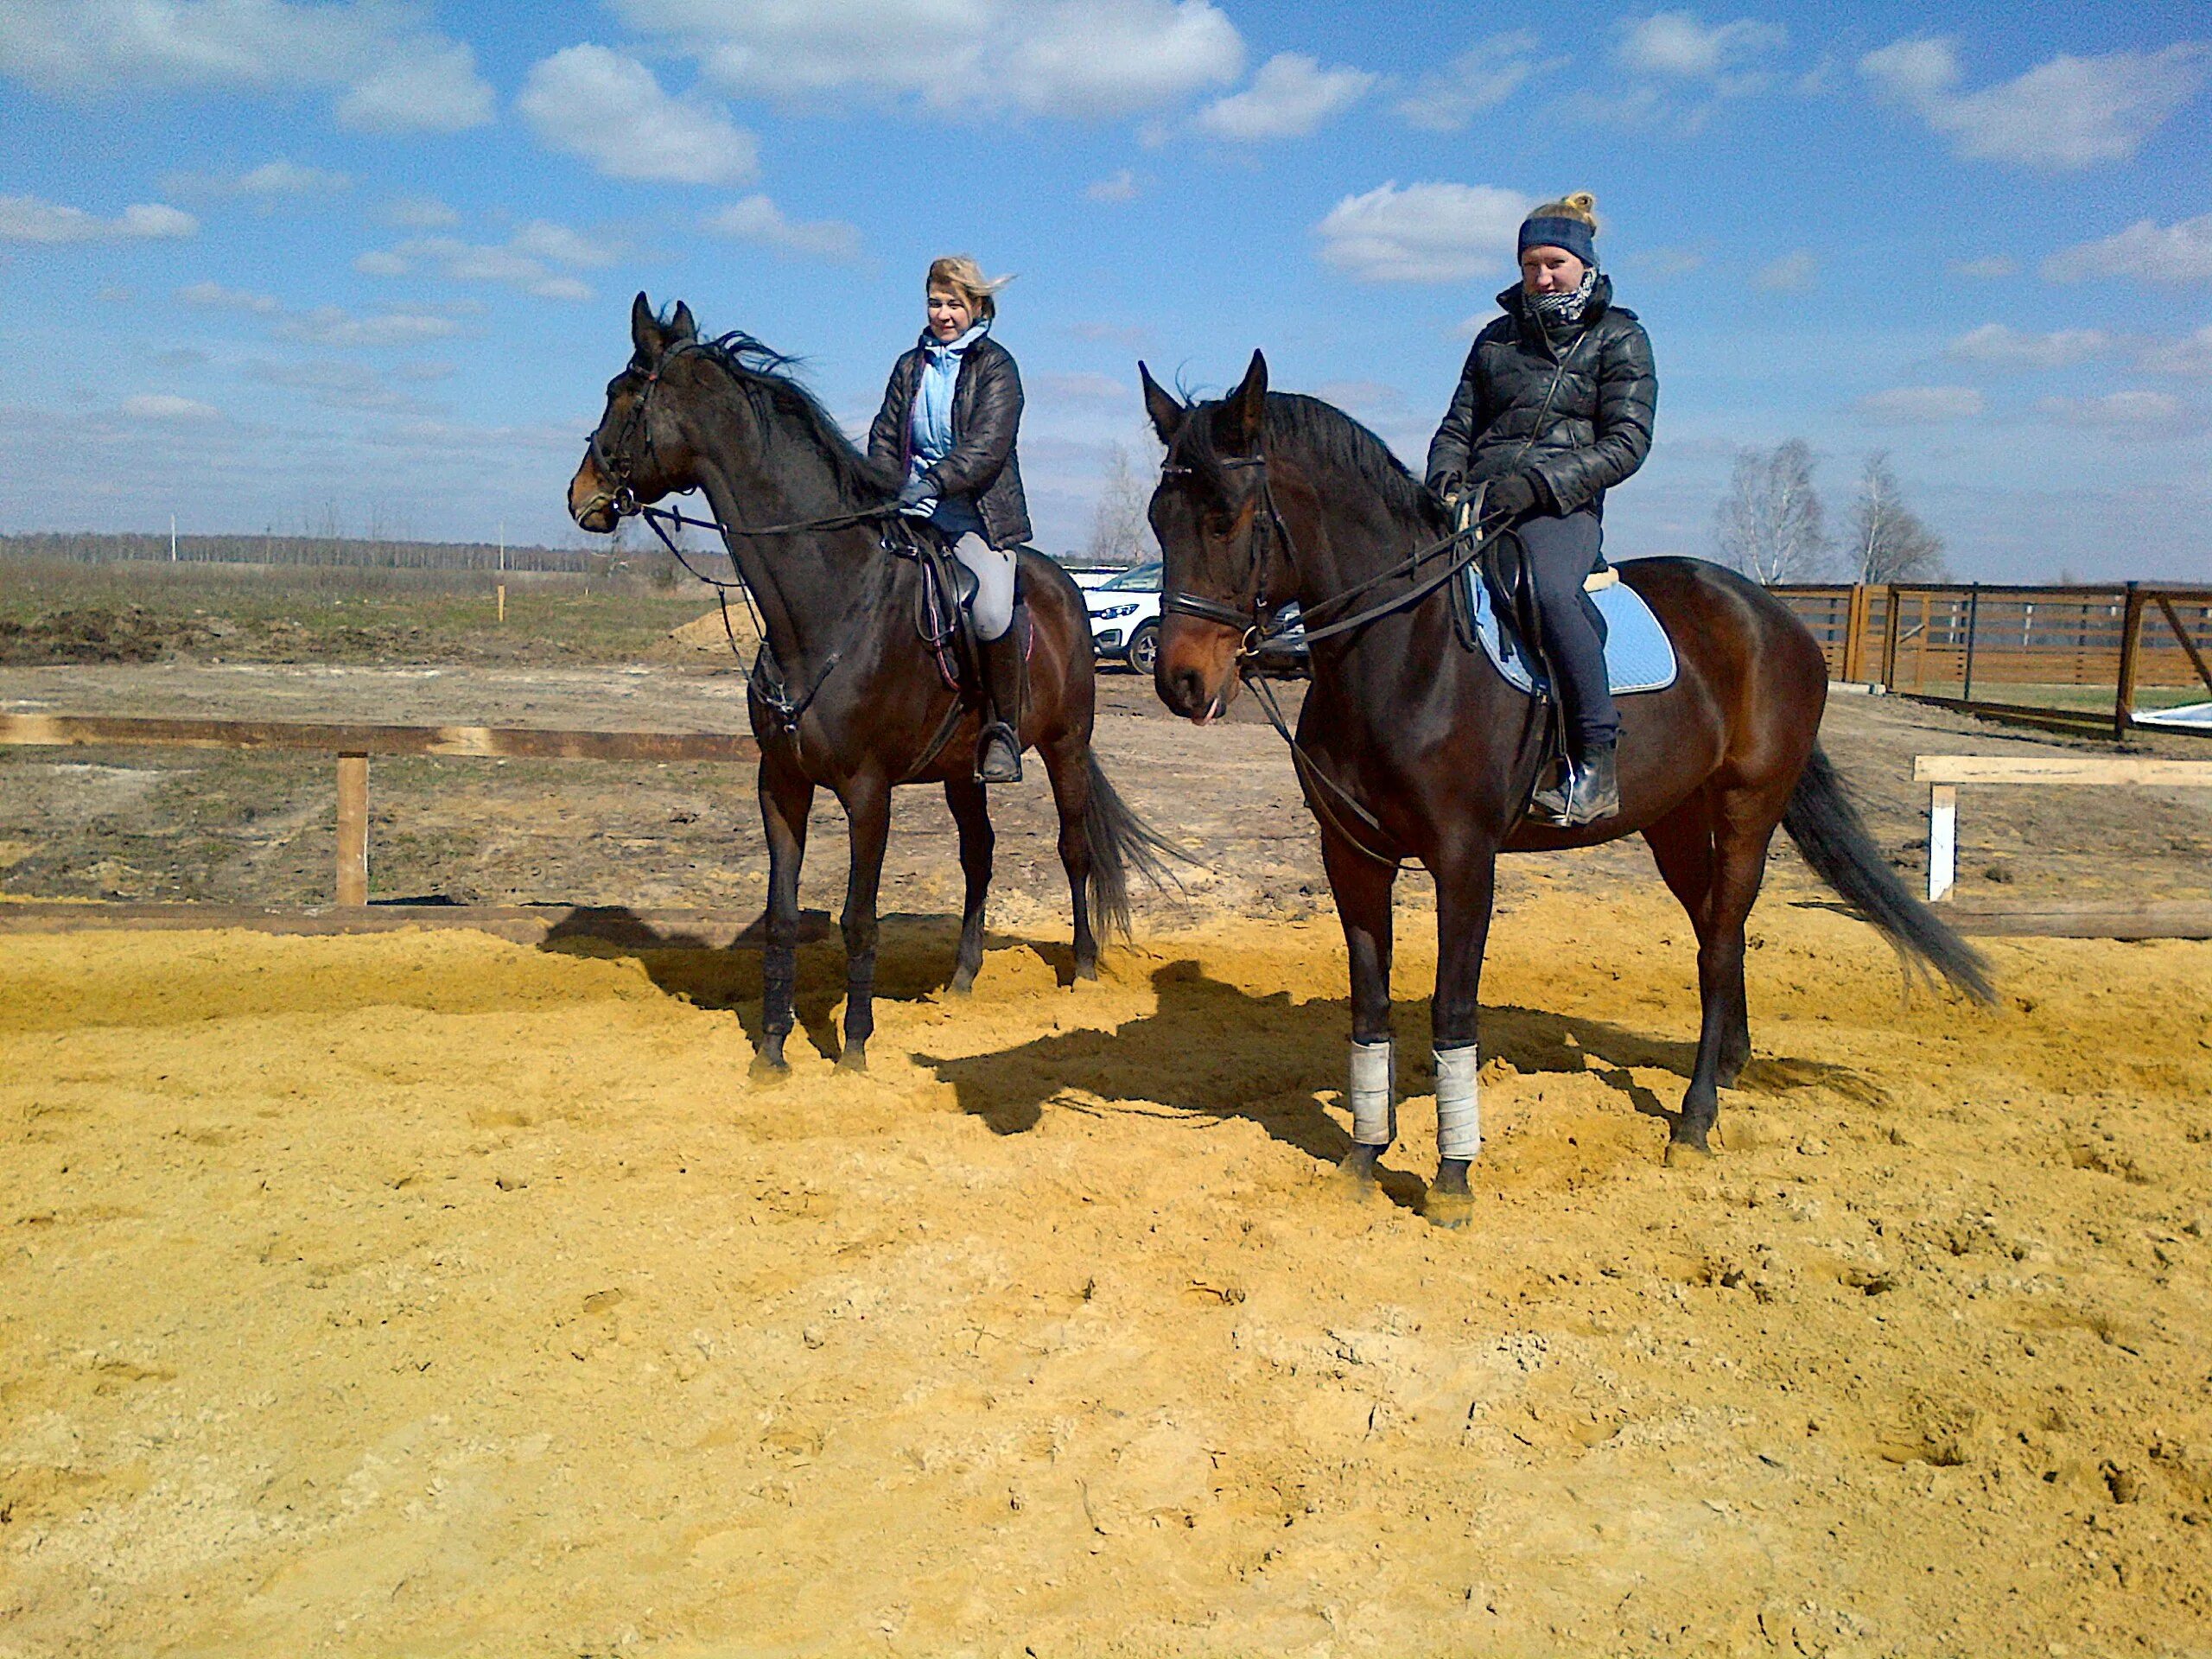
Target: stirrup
[
  {"x": 1549, "y": 803},
  {"x": 998, "y": 737}
]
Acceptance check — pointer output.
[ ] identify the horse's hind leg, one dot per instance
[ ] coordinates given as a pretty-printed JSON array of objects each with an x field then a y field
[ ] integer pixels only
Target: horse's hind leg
[
  {"x": 972, "y": 812},
  {"x": 786, "y": 799},
  {"x": 1712, "y": 852},
  {"x": 1067, "y": 762},
  {"x": 1466, "y": 887},
  {"x": 867, "y": 813}
]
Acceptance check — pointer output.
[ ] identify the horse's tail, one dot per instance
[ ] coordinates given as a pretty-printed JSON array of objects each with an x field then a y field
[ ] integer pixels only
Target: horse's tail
[
  {"x": 1826, "y": 828},
  {"x": 1119, "y": 842}
]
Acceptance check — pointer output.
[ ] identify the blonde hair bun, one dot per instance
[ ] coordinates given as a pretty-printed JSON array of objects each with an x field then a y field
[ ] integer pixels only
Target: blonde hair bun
[
  {"x": 960, "y": 273},
  {"x": 1582, "y": 204}
]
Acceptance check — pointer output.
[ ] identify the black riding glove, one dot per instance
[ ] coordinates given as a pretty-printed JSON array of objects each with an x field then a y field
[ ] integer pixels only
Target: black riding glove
[
  {"x": 916, "y": 491},
  {"x": 1510, "y": 497}
]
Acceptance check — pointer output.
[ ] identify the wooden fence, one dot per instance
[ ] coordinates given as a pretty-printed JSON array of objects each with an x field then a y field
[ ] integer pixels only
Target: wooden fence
[{"x": 2074, "y": 658}]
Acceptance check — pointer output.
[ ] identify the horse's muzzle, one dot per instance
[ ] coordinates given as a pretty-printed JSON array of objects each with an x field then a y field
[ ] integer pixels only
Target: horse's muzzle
[{"x": 1196, "y": 675}]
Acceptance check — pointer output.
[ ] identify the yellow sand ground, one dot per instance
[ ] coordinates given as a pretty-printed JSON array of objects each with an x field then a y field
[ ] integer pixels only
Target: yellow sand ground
[{"x": 426, "y": 1295}]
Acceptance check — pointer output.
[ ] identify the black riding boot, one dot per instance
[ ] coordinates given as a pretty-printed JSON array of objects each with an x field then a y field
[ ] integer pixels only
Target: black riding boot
[
  {"x": 998, "y": 756},
  {"x": 1596, "y": 791}
]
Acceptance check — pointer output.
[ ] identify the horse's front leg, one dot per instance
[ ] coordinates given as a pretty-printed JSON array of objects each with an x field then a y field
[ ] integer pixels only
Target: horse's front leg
[
  {"x": 868, "y": 812},
  {"x": 787, "y": 798},
  {"x": 972, "y": 812},
  {"x": 1465, "y": 885},
  {"x": 1363, "y": 887}
]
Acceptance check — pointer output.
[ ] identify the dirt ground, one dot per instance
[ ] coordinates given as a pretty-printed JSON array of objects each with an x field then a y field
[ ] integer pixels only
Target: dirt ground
[{"x": 425, "y": 1294}]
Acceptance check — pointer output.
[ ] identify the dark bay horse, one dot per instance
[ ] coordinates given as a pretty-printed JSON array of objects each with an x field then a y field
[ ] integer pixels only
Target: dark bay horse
[
  {"x": 854, "y": 700},
  {"x": 1415, "y": 747}
]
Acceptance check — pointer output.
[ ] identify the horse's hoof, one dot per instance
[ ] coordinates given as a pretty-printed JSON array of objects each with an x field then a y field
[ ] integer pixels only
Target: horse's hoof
[
  {"x": 1087, "y": 972},
  {"x": 1685, "y": 1153},
  {"x": 1360, "y": 1168},
  {"x": 1450, "y": 1210},
  {"x": 854, "y": 1058},
  {"x": 963, "y": 981},
  {"x": 767, "y": 1069}
]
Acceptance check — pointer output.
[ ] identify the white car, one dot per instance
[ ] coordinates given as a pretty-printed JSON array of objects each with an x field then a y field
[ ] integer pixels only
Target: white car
[{"x": 1125, "y": 617}]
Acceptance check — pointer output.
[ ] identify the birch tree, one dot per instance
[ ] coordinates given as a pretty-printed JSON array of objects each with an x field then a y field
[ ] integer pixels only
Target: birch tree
[
  {"x": 1889, "y": 542},
  {"x": 1771, "y": 525}
]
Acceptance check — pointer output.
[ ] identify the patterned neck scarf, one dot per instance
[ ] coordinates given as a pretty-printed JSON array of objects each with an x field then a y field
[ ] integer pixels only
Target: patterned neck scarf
[{"x": 1563, "y": 310}]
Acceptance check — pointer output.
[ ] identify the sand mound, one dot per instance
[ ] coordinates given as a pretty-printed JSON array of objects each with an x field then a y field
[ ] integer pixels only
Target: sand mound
[
  {"x": 706, "y": 633},
  {"x": 422, "y": 1292}
]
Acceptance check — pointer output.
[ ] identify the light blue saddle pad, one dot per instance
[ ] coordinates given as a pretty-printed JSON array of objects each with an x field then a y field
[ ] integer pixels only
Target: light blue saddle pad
[{"x": 1638, "y": 655}]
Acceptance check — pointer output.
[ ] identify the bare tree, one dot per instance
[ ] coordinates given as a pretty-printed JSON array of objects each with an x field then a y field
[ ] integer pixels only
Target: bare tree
[
  {"x": 1771, "y": 525},
  {"x": 1889, "y": 543},
  {"x": 1120, "y": 533}
]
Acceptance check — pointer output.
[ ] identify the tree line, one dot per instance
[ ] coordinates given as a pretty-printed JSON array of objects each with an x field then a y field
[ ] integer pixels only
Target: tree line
[{"x": 1772, "y": 526}]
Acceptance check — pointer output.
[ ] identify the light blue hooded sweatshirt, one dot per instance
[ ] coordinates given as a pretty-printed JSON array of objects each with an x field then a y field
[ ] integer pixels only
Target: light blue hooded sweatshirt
[{"x": 930, "y": 429}]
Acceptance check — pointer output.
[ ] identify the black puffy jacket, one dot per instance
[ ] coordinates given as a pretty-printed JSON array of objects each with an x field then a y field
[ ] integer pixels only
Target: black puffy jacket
[
  {"x": 985, "y": 415},
  {"x": 1595, "y": 426}
]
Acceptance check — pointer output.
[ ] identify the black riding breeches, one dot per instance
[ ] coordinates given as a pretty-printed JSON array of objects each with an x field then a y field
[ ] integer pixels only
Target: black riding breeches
[{"x": 1562, "y": 549}]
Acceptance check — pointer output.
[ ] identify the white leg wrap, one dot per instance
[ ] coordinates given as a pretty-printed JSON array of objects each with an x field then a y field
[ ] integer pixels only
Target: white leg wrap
[
  {"x": 1459, "y": 1107},
  {"x": 1374, "y": 1094}
]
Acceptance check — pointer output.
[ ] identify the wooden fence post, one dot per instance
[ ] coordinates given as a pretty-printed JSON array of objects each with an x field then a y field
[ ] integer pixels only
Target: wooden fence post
[
  {"x": 352, "y": 831},
  {"x": 1854, "y": 633},
  {"x": 2131, "y": 639}
]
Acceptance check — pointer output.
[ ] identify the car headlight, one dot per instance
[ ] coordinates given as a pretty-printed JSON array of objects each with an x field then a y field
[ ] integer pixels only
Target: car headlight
[{"x": 1111, "y": 612}]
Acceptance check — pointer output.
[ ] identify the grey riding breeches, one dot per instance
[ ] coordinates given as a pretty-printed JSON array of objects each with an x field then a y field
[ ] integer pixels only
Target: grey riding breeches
[{"x": 993, "y": 607}]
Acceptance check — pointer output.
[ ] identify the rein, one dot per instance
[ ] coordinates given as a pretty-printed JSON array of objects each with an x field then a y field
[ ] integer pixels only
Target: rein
[{"x": 765, "y": 678}]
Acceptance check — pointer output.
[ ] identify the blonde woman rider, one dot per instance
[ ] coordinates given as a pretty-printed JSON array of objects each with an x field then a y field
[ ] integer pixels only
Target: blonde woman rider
[
  {"x": 1554, "y": 408},
  {"x": 948, "y": 424}
]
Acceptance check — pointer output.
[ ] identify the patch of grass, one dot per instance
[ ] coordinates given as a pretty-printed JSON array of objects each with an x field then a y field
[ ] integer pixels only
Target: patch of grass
[{"x": 55, "y": 611}]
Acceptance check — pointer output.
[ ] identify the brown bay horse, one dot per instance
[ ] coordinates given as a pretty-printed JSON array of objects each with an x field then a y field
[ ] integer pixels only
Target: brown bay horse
[
  {"x": 850, "y": 696},
  {"x": 1411, "y": 746}
]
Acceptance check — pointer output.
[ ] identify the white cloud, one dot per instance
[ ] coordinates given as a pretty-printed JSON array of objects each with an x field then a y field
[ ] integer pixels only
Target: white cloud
[
  {"x": 29, "y": 218},
  {"x": 1994, "y": 345},
  {"x": 392, "y": 74},
  {"x": 1120, "y": 186},
  {"x": 1679, "y": 44},
  {"x": 338, "y": 382},
  {"x": 609, "y": 109},
  {"x": 433, "y": 88},
  {"x": 1290, "y": 97},
  {"x": 270, "y": 183},
  {"x": 2154, "y": 413},
  {"x": 2146, "y": 252},
  {"x": 166, "y": 406},
  {"x": 1423, "y": 233},
  {"x": 1664, "y": 263},
  {"x": 1087, "y": 388},
  {"x": 213, "y": 297},
  {"x": 524, "y": 262},
  {"x": 1793, "y": 273},
  {"x": 1079, "y": 59},
  {"x": 757, "y": 218},
  {"x": 330, "y": 326},
  {"x": 2190, "y": 355},
  {"x": 420, "y": 214},
  {"x": 1988, "y": 268},
  {"x": 2064, "y": 115},
  {"x": 1922, "y": 405},
  {"x": 1481, "y": 77}
]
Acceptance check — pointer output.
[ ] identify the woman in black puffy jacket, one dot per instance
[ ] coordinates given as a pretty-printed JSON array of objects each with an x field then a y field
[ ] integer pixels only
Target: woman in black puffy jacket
[{"x": 1554, "y": 408}]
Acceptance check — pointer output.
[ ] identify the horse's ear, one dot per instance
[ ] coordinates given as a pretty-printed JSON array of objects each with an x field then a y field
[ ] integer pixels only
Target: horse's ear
[
  {"x": 680, "y": 327},
  {"x": 1165, "y": 409},
  {"x": 645, "y": 329},
  {"x": 1247, "y": 406}
]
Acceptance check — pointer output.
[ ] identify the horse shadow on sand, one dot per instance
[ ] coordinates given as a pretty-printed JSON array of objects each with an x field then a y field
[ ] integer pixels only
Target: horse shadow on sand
[{"x": 1208, "y": 1050}]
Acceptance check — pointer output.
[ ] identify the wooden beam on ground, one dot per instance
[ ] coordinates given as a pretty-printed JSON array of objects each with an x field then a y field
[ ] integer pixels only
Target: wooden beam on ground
[
  {"x": 672, "y": 929},
  {"x": 2178, "y": 918},
  {"x": 352, "y": 831},
  {"x": 1943, "y": 840},
  {"x": 517, "y": 742},
  {"x": 2059, "y": 769}
]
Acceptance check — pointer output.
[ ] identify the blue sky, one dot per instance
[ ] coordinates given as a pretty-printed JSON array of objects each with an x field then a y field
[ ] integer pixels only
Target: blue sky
[{"x": 274, "y": 264}]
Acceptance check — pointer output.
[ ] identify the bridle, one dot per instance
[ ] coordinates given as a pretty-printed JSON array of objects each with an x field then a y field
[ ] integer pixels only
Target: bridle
[{"x": 764, "y": 679}]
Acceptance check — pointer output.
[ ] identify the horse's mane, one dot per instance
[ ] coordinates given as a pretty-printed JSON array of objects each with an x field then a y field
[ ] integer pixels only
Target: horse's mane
[
  {"x": 789, "y": 412},
  {"x": 1320, "y": 432}
]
